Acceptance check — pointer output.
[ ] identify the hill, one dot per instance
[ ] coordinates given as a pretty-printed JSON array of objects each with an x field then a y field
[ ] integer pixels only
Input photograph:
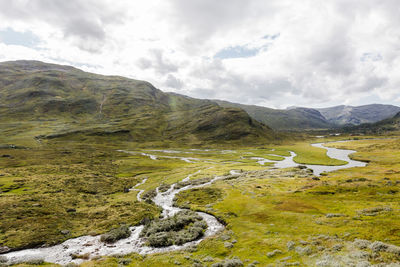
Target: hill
[
  {"x": 381, "y": 127},
  {"x": 49, "y": 101},
  {"x": 284, "y": 119}
]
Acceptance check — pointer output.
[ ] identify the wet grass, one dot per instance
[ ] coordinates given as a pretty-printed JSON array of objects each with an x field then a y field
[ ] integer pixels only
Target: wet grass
[{"x": 263, "y": 210}]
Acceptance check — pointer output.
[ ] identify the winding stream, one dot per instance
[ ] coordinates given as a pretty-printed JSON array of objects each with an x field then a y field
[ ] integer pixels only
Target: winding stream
[
  {"x": 91, "y": 245},
  {"x": 335, "y": 153}
]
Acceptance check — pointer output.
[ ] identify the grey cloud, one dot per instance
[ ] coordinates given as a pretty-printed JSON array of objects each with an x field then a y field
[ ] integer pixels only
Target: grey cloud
[
  {"x": 158, "y": 62},
  {"x": 173, "y": 82},
  {"x": 225, "y": 84},
  {"x": 202, "y": 19},
  {"x": 82, "y": 21}
]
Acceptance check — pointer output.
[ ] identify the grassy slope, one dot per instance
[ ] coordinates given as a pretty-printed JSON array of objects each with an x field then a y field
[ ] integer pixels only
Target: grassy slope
[{"x": 39, "y": 99}]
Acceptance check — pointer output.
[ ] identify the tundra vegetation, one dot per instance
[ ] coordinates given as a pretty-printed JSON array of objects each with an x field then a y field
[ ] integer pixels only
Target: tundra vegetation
[{"x": 60, "y": 189}]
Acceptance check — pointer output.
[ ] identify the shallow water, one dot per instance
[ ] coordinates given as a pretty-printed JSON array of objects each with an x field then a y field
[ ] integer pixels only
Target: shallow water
[{"x": 335, "y": 153}]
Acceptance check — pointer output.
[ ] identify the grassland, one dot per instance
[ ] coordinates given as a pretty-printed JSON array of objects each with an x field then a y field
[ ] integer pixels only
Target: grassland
[{"x": 60, "y": 189}]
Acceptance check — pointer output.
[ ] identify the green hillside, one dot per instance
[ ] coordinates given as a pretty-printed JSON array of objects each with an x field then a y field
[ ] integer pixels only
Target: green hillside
[{"x": 46, "y": 100}]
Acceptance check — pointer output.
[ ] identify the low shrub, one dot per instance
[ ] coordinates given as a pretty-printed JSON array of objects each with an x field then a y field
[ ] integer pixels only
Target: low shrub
[
  {"x": 116, "y": 234},
  {"x": 183, "y": 227},
  {"x": 164, "y": 187}
]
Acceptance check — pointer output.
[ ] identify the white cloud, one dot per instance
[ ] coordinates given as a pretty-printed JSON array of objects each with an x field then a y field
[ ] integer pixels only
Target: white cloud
[{"x": 275, "y": 53}]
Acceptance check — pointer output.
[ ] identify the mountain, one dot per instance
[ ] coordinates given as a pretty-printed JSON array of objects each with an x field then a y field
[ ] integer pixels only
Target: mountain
[
  {"x": 295, "y": 118},
  {"x": 383, "y": 126},
  {"x": 299, "y": 118},
  {"x": 342, "y": 115},
  {"x": 50, "y": 101}
]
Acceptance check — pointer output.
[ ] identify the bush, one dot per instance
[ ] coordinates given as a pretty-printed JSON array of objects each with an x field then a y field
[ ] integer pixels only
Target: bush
[
  {"x": 116, "y": 234},
  {"x": 183, "y": 227},
  {"x": 85, "y": 256},
  {"x": 164, "y": 187},
  {"x": 149, "y": 195},
  {"x": 234, "y": 262}
]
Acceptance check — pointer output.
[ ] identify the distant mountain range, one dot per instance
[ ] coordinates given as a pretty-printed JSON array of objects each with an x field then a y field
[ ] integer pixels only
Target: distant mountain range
[
  {"x": 299, "y": 118},
  {"x": 342, "y": 115},
  {"x": 284, "y": 119},
  {"x": 49, "y": 101}
]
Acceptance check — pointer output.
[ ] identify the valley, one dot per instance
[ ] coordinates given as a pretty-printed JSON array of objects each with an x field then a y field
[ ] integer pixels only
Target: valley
[{"x": 262, "y": 207}]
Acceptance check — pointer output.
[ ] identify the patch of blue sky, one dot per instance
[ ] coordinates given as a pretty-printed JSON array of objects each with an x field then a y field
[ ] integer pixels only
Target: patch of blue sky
[
  {"x": 248, "y": 50},
  {"x": 371, "y": 57},
  {"x": 271, "y": 37},
  {"x": 237, "y": 52},
  {"x": 10, "y": 37}
]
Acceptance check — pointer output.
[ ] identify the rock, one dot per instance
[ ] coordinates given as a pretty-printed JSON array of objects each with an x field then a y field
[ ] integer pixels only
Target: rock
[
  {"x": 65, "y": 232},
  {"x": 3, "y": 259},
  {"x": 177, "y": 263},
  {"x": 234, "y": 262},
  {"x": 225, "y": 237},
  {"x": 333, "y": 215},
  {"x": 394, "y": 250},
  {"x": 315, "y": 178},
  {"x": 274, "y": 253},
  {"x": 363, "y": 264},
  {"x": 303, "y": 250},
  {"x": 290, "y": 245},
  {"x": 378, "y": 246},
  {"x": 303, "y": 242},
  {"x": 360, "y": 255},
  {"x": 208, "y": 259},
  {"x": 4, "y": 249},
  {"x": 228, "y": 245},
  {"x": 327, "y": 261},
  {"x": 374, "y": 211},
  {"x": 337, "y": 247},
  {"x": 361, "y": 243}
]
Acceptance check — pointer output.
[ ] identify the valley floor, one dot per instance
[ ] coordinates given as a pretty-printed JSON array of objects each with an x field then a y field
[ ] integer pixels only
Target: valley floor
[{"x": 57, "y": 190}]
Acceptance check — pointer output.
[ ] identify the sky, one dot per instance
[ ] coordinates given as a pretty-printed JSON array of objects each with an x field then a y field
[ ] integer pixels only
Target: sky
[{"x": 275, "y": 53}]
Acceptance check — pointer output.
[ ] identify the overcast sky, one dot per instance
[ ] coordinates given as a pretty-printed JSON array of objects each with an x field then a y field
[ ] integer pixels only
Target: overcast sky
[{"x": 272, "y": 53}]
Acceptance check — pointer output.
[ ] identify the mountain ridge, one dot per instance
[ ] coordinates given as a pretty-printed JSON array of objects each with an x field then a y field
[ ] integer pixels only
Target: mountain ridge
[
  {"x": 303, "y": 118},
  {"x": 54, "y": 100}
]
